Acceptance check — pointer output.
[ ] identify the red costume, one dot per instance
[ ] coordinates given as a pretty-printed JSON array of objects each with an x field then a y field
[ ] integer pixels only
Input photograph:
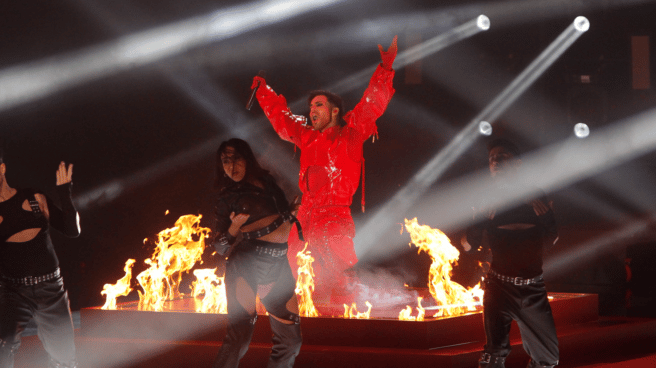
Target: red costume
[{"x": 331, "y": 162}]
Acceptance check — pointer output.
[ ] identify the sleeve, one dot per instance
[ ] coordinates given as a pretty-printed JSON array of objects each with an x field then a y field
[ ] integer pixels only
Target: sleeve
[
  {"x": 289, "y": 127},
  {"x": 548, "y": 222},
  {"x": 220, "y": 224},
  {"x": 373, "y": 103},
  {"x": 66, "y": 218},
  {"x": 474, "y": 236}
]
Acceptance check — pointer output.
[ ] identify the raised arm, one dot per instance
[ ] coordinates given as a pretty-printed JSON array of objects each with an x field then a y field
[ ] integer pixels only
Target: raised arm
[
  {"x": 377, "y": 95},
  {"x": 289, "y": 127},
  {"x": 66, "y": 220}
]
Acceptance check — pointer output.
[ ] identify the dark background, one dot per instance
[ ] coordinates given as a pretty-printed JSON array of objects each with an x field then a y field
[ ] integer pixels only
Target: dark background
[{"x": 143, "y": 138}]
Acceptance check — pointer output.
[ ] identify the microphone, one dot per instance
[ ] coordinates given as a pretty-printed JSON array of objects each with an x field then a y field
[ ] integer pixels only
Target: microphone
[{"x": 249, "y": 104}]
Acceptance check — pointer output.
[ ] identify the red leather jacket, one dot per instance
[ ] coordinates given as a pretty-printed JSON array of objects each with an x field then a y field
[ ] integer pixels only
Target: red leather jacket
[{"x": 331, "y": 161}]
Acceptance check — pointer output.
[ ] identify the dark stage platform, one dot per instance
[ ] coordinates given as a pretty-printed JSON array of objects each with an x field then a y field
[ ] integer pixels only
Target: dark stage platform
[{"x": 180, "y": 337}]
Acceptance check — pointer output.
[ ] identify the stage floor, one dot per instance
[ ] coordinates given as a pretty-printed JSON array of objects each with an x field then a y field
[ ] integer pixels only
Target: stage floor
[
  {"x": 179, "y": 321},
  {"x": 181, "y": 338}
]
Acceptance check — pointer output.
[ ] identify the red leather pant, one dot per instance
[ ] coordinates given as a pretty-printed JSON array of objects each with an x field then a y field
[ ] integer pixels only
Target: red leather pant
[{"x": 329, "y": 233}]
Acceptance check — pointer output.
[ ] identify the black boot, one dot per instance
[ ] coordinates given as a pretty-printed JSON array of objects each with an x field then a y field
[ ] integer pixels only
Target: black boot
[
  {"x": 286, "y": 344},
  {"x": 491, "y": 361},
  {"x": 235, "y": 344}
]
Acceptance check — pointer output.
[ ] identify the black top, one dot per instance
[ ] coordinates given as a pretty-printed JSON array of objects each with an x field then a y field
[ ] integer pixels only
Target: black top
[
  {"x": 37, "y": 256},
  {"x": 516, "y": 253},
  {"x": 244, "y": 197}
]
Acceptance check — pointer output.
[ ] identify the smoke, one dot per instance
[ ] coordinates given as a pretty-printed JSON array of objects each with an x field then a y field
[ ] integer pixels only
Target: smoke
[{"x": 384, "y": 287}]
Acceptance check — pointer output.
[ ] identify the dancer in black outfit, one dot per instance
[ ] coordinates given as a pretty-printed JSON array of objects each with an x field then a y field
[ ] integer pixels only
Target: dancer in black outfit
[
  {"x": 253, "y": 220},
  {"x": 31, "y": 285},
  {"x": 514, "y": 288}
]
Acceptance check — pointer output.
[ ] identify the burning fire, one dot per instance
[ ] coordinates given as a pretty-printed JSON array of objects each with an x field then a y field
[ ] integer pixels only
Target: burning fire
[
  {"x": 406, "y": 314},
  {"x": 177, "y": 251},
  {"x": 121, "y": 288},
  {"x": 452, "y": 298},
  {"x": 179, "y": 248},
  {"x": 352, "y": 312},
  {"x": 213, "y": 290},
  {"x": 305, "y": 284}
]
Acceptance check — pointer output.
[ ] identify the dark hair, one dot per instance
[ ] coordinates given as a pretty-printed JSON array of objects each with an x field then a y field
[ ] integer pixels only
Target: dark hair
[
  {"x": 253, "y": 168},
  {"x": 2, "y": 156},
  {"x": 334, "y": 100},
  {"x": 506, "y": 144}
]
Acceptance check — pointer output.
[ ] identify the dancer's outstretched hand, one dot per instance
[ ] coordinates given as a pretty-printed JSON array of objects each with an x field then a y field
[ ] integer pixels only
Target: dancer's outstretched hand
[
  {"x": 389, "y": 55},
  {"x": 64, "y": 175}
]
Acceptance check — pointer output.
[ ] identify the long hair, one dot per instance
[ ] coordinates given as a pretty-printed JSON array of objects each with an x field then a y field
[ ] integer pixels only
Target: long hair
[{"x": 253, "y": 169}]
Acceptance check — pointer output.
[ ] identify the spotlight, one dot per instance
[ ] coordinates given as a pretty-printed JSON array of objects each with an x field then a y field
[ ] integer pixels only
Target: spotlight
[
  {"x": 483, "y": 22},
  {"x": 485, "y": 128},
  {"x": 581, "y": 130},
  {"x": 581, "y": 24}
]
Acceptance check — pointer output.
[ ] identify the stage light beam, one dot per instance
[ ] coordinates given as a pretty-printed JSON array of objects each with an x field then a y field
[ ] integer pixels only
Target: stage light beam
[
  {"x": 405, "y": 198},
  {"x": 435, "y": 44},
  {"x": 417, "y": 52},
  {"x": 27, "y": 82}
]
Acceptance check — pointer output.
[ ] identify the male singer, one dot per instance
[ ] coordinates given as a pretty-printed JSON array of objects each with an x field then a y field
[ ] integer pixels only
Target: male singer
[{"x": 331, "y": 162}]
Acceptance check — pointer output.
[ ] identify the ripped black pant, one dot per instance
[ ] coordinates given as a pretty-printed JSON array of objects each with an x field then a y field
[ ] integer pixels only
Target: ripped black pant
[
  {"x": 529, "y": 306},
  {"x": 258, "y": 267},
  {"x": 47, "y": 302}
]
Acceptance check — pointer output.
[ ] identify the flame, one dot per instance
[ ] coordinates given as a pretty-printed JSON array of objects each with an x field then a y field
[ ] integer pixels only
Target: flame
[
  {"x": 177, "y": 251},
  {"x": 352, "y": 312},
  {"x": 305, "y": 284},
  {"x": 121, "y": 288},
  {"x": 213, "y": 290},
  {"x": 406, "y": 314},
  {"x": 452, "y": 298}
]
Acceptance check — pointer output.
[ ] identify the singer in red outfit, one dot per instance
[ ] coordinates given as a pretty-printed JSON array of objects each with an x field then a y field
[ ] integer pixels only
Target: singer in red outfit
[{"x": 331, "y": 162}]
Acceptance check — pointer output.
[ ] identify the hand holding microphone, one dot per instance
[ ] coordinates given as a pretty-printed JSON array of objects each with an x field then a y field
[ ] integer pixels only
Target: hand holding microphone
[{"x": 257, "y": 81}]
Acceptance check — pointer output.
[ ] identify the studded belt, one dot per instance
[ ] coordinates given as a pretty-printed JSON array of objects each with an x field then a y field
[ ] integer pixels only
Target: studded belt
[
  {"x": 273, "y": 226},
  {"x": 514, "y": 280},
  {"x": 273, "y": 252},
  {"x": 32, "y": 280}
]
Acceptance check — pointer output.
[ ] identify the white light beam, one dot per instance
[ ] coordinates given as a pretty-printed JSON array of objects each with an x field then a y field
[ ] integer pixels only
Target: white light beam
[
  {"x": 406, "y": 197},
  {"x": 27, "y": 82},
  {"x": 409, "y": 56}
]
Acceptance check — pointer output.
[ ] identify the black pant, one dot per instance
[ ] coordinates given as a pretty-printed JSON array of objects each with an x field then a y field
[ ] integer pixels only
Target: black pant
[
  {"x": 47, "y": 302},
  {"x": 529, "y": 306},
  {"x": 246, "y": 269}
]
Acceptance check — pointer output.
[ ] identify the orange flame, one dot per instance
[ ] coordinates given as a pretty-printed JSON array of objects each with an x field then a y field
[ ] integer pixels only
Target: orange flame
[
  {"x": 177, "y": 251},
  {"x": 213, "y": 290},
  {"x": 452, "y": 298},
  {"x": 305, "y": 284},
  {"x": 352, "y": 312},
  {"x": 121, "y": 288},
  {"x": 406, "y": 314}
]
